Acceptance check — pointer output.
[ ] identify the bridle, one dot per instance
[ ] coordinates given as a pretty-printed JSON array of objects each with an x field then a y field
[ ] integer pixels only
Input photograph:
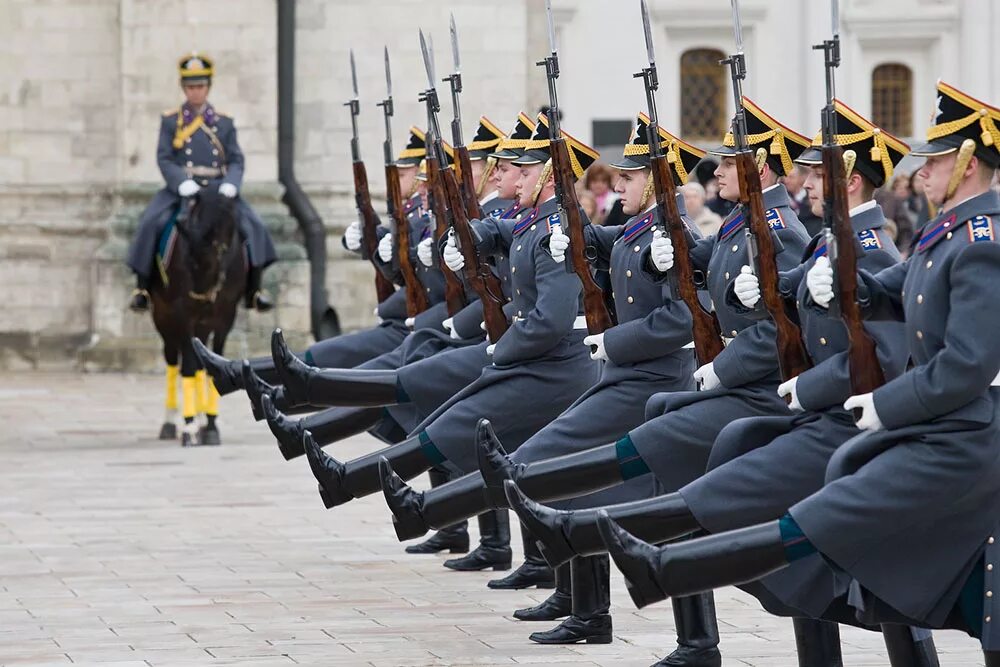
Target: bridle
[{"x": 221, "y": 248}]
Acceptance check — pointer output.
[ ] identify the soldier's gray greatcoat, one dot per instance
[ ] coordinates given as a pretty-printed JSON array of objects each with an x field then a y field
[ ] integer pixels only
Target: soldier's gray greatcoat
[
  {"x": 210, "y": 147},
  {"x": 677, "y": 437},
  {"x": 909, "y": 511}
]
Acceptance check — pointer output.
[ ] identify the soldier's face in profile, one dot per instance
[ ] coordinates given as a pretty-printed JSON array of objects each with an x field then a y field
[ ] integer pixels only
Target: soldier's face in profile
[
  {"x": 729, "y": 185},
  {"x": 631, "y": 185},
  {"x": 505, "y": 179},
  {"x": 407, "y": 178},
  {"x": 814, "y": 187},
  {"x": 196, "y": 93},
  {"x": 936, "y": 173},
  {"x": 528, "y": 179}
]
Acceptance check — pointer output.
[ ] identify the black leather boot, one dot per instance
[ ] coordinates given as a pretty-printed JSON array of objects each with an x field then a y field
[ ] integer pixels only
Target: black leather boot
[
  {"x": 590, "y": 621},
  {"x": 348, "y": 387},
  {"x": 557, "y": 605},
  {"x": 341, "y": 482},
  {"x": 565, "y": 534},
  {"x": 139, "y": 302},
  {"x": 906, "y": 649},
  {"x": 992, "y": 658},
  {"x": 326, "y": 427},
  {"x": 818, "y": 643},
  {"x": 416, "y": 512},
  {"x": 697, "y": 633},
  {"x": 453, "y": 538},
  {"x": 256, "y": 389},
  {"x": 255, "y": 296},
  {"x": 493, "y": 551},
  {"x": 552, "y": 479},
  {"x": 228, "y": 373},
  {"x": 693, "y": 566},
  {"x": 532, "y": 572}
]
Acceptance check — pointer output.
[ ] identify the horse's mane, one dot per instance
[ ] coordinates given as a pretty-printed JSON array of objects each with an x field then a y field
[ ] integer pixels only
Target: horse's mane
[{"x": 212, "y": 209}]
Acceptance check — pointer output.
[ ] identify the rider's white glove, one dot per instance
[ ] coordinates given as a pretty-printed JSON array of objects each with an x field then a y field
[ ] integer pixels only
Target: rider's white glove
[
  {"x": 596, "y": 343},
  {"x": 425, "y": 252},
  {"x": 558, "y": 243},
  {"x": 786, "y": 389},
  {"x": 188, "y": 188},
  {"x": 819, "y": 280},
  {"x": 662, "y": 252},
  {"x": 869, "y": 420},
  {"x": 385, "y": 248},
  {"x": 706, "y": 377},
  {"x": 227, "y": 190},
  {"x": 452, "y": 257},
  {"x": 747, "y": 287},
  {"x": 352, "y": 236}
]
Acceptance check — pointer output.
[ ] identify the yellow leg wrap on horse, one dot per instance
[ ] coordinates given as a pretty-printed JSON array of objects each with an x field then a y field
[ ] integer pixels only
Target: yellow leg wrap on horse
[
  {"x": 200, "y": 391},
  {"x": 188, "y": 390},
  {"x": 212, "y": 406},
  {"x": 171, "y": 398}
]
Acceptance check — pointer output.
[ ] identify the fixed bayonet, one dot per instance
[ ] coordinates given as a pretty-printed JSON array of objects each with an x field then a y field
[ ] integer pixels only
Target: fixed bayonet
[
  {"x": 551, "y": 65},
  {"x": 455, "y": 81},
  {"x": 355, "y": 107},
  {"x": 648, "y": 75},
  {"x": 738, "y": 72},
  {"x": 647, "y": 32},
  {"x": 387, "y": 112},
  {"x": 430, "y": 97},
  {"x": 737, "y": 25}
]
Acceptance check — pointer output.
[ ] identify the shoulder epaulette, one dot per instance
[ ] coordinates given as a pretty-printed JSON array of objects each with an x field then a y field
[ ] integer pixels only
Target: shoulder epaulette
[
  {"x": 869, "y": 239},
  {"x": 774, "y": 219},
  {"x": 981, "y": 229}
]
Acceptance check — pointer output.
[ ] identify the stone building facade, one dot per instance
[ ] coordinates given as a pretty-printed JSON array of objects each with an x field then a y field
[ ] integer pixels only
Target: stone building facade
[{"x": 86, "y": 80}]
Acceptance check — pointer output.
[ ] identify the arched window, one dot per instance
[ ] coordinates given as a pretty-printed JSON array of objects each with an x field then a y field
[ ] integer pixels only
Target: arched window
[
  {"x": 892, "y": 98},
  {"x": 703, "y": 95}
]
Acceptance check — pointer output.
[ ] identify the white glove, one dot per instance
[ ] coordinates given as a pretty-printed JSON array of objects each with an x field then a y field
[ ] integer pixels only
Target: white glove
[
  {"x": 188, "y": 188},
  {"x": 352, "y": 236},
  {"x": 490, "y": 348},
  {"x": 425, "y": 252},
  {"x": 869, "y": 420},
  {"x": 227, "y": 190},
  {"x": 558, "y": 243},
  {"x": 449, "y": 326},
  {"x": 385, "y": 248},
  {"x": 706, "y": 377},
  {"x": 788, "y": 389},
  {"x": 409, "y": 322},
  {"x": 452, "y": 257},
  {"x": 378, "y": 318},
  {"x": 747, "y": 287},
  {"x": 819, "y": 280},
  {"x": 596, "y": 342},
  {"x": 662, "y": 252}
]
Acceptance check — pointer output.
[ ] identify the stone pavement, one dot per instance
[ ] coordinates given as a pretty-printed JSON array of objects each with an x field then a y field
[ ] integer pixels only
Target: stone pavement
[{"x": 118, "y": 548}]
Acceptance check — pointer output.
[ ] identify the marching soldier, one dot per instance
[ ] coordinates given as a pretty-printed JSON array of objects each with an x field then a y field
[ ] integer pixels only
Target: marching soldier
[
  {"x": 198, "y": 149},
  {"x": 908, "y": 515}
]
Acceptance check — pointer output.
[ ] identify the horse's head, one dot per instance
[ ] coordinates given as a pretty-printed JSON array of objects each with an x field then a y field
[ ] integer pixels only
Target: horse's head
[{"x": 210, "y": 230}]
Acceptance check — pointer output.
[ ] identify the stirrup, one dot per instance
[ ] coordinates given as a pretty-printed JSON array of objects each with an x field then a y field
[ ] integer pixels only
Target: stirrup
[{"x": 139, "y": 292}]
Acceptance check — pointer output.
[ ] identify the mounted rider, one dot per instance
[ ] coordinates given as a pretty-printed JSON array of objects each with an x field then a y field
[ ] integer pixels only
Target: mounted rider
[{"x": 198, "y": 149}]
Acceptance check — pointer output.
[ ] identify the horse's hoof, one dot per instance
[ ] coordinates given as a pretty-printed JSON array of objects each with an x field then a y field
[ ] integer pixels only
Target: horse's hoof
[
  {"x": 168, "y": 431},
  {"x": 187, "y": 440},
  {"x": 207, "y": 436}
]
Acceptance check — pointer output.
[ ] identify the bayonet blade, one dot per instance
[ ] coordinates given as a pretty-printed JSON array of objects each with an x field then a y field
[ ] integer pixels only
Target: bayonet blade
[
  {"x": 388, "y": 74},
  {"x": 835, "y": 17},
  {"x": 428, "y": 67},
  {"x": 354, "y": 75},
  {"x": 737, "y": 26},
  {"x": 552, "y": 27},
  {"x": 647, "y": 31},
  {"x": 454, "y": 45}
]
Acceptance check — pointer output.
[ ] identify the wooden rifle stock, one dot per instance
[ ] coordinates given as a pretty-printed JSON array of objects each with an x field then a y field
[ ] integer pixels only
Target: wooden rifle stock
[
  {"x": 454, "y": 294},
  {"x": 792, "y": 356},
  {"x": 477, "y": 273},
  {"x": 369, "y": 237},
  {"x": 469, "y": 197},
  {"x": 865, "y": 368},
  {"x": 416, "y": 297},
  {"x": 594, "y": 307},
  {"x": 705, "y": 327}
]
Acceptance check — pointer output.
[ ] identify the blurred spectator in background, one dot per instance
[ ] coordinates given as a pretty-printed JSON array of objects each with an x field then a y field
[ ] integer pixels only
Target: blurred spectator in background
[
  {"x": 900, "y": 204},
  {"x": 708, "y": 221},
  {"x": 598, "y": 182},
  {"x": 705, "y": 173},
  {"x": 587, "y": 202},
  {"x": 794, "y": 183}
]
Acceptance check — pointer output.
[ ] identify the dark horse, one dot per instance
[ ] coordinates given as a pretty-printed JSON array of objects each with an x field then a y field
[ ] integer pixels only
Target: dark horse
[{"x": 195, "y": 295}]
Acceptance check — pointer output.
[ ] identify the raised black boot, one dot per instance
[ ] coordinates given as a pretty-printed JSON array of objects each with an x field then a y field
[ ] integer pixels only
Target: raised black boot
[
  {"x": 493, "y": 551},
  {"x": 348, "y": 387},
  {"x": 228, "y": 373},
  {"x": 589, "y": 621},
  {"x": 697, "y": 633},
  {"x": 453, "y": 538},
  {"x": 565, "y": 534},
  {"x": 910, "y": 647},
  {"x": 256, "y": 389},
  {"x": 534, "y": 571},
  {"x": 342, "y": 482},
  {"x": 328, "y": 426},
  {"x": 416, "y": 512},
  {"x": 551, "y": 479},
  {"x": 817, "y": 644},
  {"x": 692, "y": 566},
  {"x": 139, "y": 303},
  {"x": 556, "y": 606}
]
